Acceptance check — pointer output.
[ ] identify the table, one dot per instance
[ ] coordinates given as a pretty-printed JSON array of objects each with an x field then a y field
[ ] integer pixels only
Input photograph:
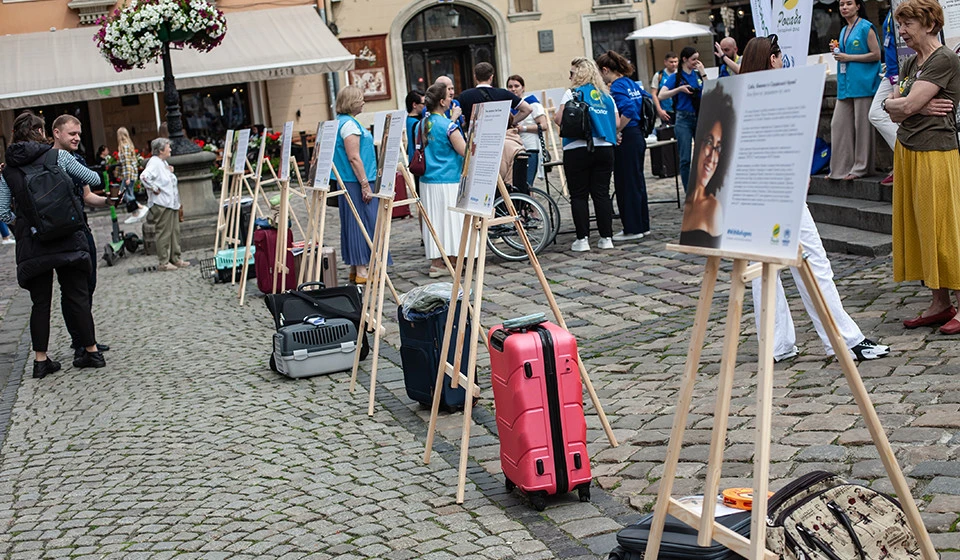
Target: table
[{"x": 676, "y": 177}]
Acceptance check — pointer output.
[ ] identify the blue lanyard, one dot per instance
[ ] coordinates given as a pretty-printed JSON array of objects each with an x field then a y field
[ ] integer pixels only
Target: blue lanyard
[{"x": 843, "y": 40}]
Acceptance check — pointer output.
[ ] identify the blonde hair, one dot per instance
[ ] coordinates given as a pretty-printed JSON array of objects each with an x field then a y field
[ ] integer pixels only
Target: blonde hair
[
  {"x": 585, "y": 71},
  {"x": 349, "y": 100},
  {"x": 926, "y": 12},
  {"x": 123, "y": 138}
]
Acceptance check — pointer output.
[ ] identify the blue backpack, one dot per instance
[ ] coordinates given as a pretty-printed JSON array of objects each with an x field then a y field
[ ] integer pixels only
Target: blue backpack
[{"x": 821, "y": 157}]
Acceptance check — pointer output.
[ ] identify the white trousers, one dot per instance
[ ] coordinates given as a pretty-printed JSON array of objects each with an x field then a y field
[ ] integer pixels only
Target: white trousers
[
  {"x": 879, "y": 118},
  {"x": 784, "y": 333}
]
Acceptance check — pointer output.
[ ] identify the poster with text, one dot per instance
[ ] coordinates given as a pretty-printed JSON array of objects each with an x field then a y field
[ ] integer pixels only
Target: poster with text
[
  {"x": 951, "y": 23},
  {"x": 793, "y": 30},
  {"x": 481, "y": 164},
  {"x": 285, "y": 151},
  {"x": 324, "y": 146},
  {"x": 229, "y": 141},
  {"x": 379, "y": 121},
  {"x": 240, "y": 153},
  {"x": 750, "y": 169},
  {"x": 390, "y": 148}
]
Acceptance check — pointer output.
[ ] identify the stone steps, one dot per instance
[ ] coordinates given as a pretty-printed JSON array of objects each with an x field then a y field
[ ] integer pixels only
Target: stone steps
[{"x": 853, "y": 217}]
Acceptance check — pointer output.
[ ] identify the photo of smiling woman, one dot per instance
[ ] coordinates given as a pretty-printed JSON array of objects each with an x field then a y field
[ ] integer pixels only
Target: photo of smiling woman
[{"x": 702, "y": 212}]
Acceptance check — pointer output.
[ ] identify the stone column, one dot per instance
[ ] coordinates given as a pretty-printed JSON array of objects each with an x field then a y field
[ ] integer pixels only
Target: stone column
[{"x": 198, "y": 229}]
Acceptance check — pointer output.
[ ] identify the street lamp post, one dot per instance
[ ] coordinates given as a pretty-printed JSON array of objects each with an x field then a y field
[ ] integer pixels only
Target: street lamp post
[{"x": 179, "y": 144}]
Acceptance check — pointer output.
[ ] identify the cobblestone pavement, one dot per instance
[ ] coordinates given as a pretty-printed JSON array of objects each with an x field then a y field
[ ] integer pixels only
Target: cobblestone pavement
[{"x": 186, "y": 445}]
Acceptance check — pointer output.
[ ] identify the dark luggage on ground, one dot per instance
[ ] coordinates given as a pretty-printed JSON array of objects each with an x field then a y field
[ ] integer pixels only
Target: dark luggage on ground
[
  {"x": 400, "y": 193},
  {"x": 679, "y": 541},
  {"x": 265, "y": 241},
  {"x": 663, "y": 159},
  {"x": 420, "y": 355},
  {"x": 538, "y": 397},
  {"x": 314, "y": 347},
  {"x": 821, "y": 515},
  {"x": 311, "y": 298}
]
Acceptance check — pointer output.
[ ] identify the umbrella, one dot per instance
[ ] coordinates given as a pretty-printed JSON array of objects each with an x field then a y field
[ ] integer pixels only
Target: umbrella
[{"x": 670, "y": 30}]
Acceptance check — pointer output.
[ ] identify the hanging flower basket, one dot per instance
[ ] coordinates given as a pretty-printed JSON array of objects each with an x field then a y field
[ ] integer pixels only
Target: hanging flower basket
[{"x": 134, "y": 36}]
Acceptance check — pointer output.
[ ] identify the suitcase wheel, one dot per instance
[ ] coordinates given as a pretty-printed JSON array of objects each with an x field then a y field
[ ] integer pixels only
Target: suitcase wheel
[
  {"x": 509, "y": 485},
  {"x": 584, "y": 493},
  {"x": 273, "y": 365},
  {"x": 539, "y": 501}
]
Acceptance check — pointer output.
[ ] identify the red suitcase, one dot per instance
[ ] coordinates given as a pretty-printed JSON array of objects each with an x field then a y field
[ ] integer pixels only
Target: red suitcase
[
  {"x": 400, "y": 193},
  {"x": 265, "y": 240},
  {"x": 539, "y": 408}
]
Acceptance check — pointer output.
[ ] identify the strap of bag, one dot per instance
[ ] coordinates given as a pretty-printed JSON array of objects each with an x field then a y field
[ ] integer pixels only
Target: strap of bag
[
  {"x": 325, "y": 309},
  {"x": 544, "y": 153}
]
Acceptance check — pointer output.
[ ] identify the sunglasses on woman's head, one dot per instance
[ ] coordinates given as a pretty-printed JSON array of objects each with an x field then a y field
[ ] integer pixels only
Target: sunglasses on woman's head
[{"x": 774, "y": 45}]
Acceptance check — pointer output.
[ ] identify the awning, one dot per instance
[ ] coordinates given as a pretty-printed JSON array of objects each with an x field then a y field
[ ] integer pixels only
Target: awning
[{"x": 65, "y": 66}]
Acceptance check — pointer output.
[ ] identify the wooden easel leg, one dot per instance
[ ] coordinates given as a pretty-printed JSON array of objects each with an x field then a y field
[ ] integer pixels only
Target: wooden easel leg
[
  {"x": 368, "y": 297},
  {"x": 254, "y": 213},
  {"x": 728, "y": 362},
  {"x": 761, "y": 452},
  {"x": 472, "y": 265},
  {"x": 472, "y": 360},
  {"x": 870, "y": 417},
  {"x": 386, "y": 212},
  {"x": 697, "y": 336},
  {"x": 447, "y": 334},
  {"x": 317, "y": 271}
]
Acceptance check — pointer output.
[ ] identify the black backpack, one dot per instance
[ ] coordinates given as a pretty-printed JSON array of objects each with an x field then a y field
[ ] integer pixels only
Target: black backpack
[
  {"x": 575, "y": 121},
  {"x": 648, "y": 115},
  {"x": 51, "y": 205}
]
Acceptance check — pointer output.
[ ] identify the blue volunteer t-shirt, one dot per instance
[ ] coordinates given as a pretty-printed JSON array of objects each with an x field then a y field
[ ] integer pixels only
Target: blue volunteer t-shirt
[
  {"x": 665, "y": 104},
  {"x": 890, "y": 47},
  {"x": 629, "y": 99},
  {"x": 603, "y": 114},
  {"x": 684, "y": 102},
  {"x": 444, "y": 164}
]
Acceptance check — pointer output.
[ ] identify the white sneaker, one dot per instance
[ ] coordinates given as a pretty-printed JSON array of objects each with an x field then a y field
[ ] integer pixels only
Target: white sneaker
[
  {"x": 8, "y": 241},
  {"x": 132, "y": 219},
  {"x": 777, "y": 358},
  {"x": 141, "y": 212},
  {"x": 869, "y": 350},
  {"x": 622, "y": 236},
  {"x": 581, "y": 245},
  {"x": 605, "y": 243}
]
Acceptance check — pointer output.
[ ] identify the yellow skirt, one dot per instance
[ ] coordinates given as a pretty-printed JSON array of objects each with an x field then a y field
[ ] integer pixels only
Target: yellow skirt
[{"x": 926, "y": 217}]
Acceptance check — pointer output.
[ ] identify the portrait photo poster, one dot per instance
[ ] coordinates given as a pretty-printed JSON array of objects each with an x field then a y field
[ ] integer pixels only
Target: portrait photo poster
[
  {"x": 750, "y": 167},
  {"x": 324, "y": 145},
  {"x": 481, "y": 166},
  {"x": 390, "y": 147},
  {"x": 285, "y": 147}
]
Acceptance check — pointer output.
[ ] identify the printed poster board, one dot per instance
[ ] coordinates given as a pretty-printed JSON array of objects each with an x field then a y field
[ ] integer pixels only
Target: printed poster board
[
  {"x": 379, "y": 121},
  {"x": 793, "y": 19},
  {"x": 481, "y": 166},
  {"x": 228, "y": 140},
  {"x": 390, "y": 148},
  {"x": 240, "y": 152},
  {"x": 323, "y": 147},
  {"x": 750, "y": 168},
  {"x": 285, "y": 151}
]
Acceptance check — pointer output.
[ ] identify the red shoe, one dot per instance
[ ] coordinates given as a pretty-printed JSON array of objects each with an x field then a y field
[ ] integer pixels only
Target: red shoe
[
  {"x": 888, "y": 180},
  {"x": 936, "y": 319},
  {"x": 952, "y": 327}
]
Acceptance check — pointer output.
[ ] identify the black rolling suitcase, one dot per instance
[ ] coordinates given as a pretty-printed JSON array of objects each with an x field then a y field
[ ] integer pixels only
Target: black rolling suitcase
[
  {"x": 420, "y": 342},
  {"x": 679, "y": 540},
  {"x": 663, "y": 159}
]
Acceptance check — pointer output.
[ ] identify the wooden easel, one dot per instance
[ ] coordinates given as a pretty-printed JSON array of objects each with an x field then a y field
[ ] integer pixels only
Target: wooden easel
[
  {"x": 226, "y": 190},
  {"x": 754, "y": 548},
  {"x": 473, "y": 244},
  {"x": 256, "y": 212},
  {"x": 280, "y": 268},
  {"x": 553, "y": 133},
  {"x": 372, "y": 313}
]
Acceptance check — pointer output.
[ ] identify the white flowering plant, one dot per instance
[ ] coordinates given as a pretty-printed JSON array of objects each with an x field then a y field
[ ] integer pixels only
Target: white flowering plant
[{"x": 134, "y": 36}]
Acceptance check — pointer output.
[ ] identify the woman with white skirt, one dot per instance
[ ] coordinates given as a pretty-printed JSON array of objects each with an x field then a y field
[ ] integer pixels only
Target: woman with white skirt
[{"x": 444, "y": 147}]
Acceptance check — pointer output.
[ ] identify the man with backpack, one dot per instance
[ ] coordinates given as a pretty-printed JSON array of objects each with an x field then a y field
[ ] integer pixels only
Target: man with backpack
[
  {"x": 66, "y": 137},
  {"x": 47, "y": 218}
]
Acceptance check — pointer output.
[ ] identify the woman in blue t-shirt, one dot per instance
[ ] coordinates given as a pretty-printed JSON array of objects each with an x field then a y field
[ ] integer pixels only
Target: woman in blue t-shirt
[
  {"x": 686, "y": 84},
  {"x": 443, "y": 148},
  {"x": 628, "y": 181},
  {"x": 858, "y": 76},
  {"x": 588, "y": 165},
  {"x": 356, "y": 161}
]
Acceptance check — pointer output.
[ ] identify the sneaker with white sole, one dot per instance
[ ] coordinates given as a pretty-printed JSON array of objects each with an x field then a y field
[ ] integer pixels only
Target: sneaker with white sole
[
  {"x": 623, "y": 236},
  {"x": 869, "y": 350},
  {"x": 791, "y": 353},
  {"x": 605, "y": 243},
  {"x": 8, "y": 241},
  {"x": 132, "y": 219},
  {"x": 581, "y": 245}
]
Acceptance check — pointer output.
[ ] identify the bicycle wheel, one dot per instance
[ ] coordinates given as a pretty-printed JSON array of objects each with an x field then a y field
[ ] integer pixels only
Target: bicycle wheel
[
  {"x": 504, "y": 241},
  {"x": 552, "y": 207}
]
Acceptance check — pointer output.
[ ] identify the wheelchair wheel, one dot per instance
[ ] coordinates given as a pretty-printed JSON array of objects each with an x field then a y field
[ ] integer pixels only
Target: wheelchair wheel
[
  {"x": 504, "y": 241},
  {"x": 552, "y": 207}
]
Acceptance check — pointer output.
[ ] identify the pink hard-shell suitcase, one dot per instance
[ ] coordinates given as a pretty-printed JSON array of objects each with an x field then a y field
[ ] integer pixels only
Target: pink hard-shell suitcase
[{"x": 539, "y": 408}]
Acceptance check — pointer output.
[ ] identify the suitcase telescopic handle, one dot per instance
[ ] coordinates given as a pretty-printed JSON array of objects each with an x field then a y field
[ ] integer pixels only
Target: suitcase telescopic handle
[{"x": 318, "y": 285}]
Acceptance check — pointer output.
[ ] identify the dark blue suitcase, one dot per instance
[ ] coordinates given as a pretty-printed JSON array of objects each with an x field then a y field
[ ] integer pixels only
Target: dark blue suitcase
[{"x": 420, "y": 354}]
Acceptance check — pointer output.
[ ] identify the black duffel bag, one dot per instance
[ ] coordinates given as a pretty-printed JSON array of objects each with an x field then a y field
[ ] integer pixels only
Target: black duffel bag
[{"x": 312, "y": 298}]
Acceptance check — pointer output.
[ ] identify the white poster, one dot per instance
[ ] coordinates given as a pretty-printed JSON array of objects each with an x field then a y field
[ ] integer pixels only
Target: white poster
[
  {"x": 763, "y": 23},
  {"x": 951, "y": 23},
  {"x": 390, "y": 148},
  {"x": 750, "y": 168},
  {"x": 240, "y": 153},
  {"x": 285, "y": 151},
  {"x": 324, "y": 146},
  {"x": 379, "y": 121},
  {"x": 481, "y": 166},
  {"x": 227, "y": 141},
  {"x": 793, "y": 30}
]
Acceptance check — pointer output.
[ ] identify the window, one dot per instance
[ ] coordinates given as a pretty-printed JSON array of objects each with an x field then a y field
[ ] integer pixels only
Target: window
[
  {"x": 523, "y": 10},
  {"x": 602, "y": 3},
  {"x": 524, "y": 6}
]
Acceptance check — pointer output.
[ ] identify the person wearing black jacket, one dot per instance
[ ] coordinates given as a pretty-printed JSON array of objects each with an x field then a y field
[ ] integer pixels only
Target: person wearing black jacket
[{"x": 36, "y": 259}]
